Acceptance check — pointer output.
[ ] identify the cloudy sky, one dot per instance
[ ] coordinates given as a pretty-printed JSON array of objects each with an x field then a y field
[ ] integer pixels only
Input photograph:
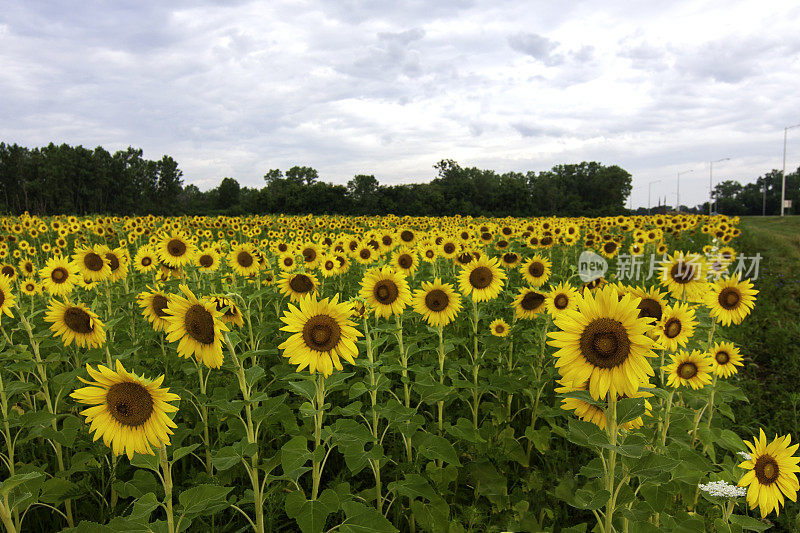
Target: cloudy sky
[{"x": 390, "y": 88}]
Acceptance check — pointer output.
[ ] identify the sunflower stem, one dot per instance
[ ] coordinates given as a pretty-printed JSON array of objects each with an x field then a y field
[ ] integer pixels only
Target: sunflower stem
[
  {"x": 611, "y": 428},
  {"x": 373, "y": 394},
  {"x": 475, "y": 364},
  {"x": 441, "y": 380},
  {"x": 666, "y": 418},
  {"x": 166, "y": 470},
  {"x": 714, "y": 382},
  {"x": 204, "y": 417},
  {"x": 318, "y": 417},
  {"x": 5, "y": 515}
]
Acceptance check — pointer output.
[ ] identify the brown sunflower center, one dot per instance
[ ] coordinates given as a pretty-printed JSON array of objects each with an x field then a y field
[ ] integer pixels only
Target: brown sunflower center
[
  {"x": 244, "y": 259},
  {"x": 199, "y": 324},
  {"x": 722, "y": 357},
  {"x": 329, "y": 265},
  {"x": 510, "y": 258},
  {"x": 605, "y": 343},
  {"x": 405, "y": 261},
  {"x": 113, "y": 261},
  {"x": 146, "y": 261},
  {"x": 206, "y": 260},
  {"x": 449, "y": 248},
  {"x": 406, "y": 236},
  {"x": 78, "y": 320},
  {"x": 546, "y": 241},
  {"x": 322, "y": 333},
  {"x": 767, "y": 469},
  {"x": 364, "y": 253},
  {"x": 59, "y": 275},
  {"x": 465, "y": 258},
  {"x": 561, "y": 301},
  {"x": 683, "y": 273},
  {"x": 650, "y": 308},
  {"x": 386, "y": 240},
  {"x": 301, "y": 283},
  {"x": 532, "y": 301},
  {"x": 309, "y": 255},
  {"x": 673, "y": 328},
  {"x": 481, "y": 277},
  {"x": 2, "y": 298},
  {"x": 176, "y": 247},
  {"x": 93, "y": 262},
  {"x": 386, "y": 291},
  {"x": 729, "y": 298},
  {"x": 536, "y": 269},
  {"x": 159, "y": 304},
  {"x": 129, "y": 403},
  {"x": 499, "y": 328},
  {"x": 437, "y": 300},
  {"x": 609, "y": 247},
  {"x": 8, "y": 271},
  {"x": 687, "y": 370},
  {"x": 429, "y": 254}
]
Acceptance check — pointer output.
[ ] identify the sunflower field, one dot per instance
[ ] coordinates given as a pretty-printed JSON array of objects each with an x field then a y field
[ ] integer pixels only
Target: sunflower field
[{"x": 378, "y": 374}]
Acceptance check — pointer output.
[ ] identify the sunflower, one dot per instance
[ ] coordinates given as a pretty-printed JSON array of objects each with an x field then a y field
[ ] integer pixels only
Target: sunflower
[
  {"x": 604, "y": 342},
  {"x": 595, "y": 414},
  {"x": 725, "y": 357},
  {"x": 322, "y": 334},
  {"x": 175, "y": 250},
  {"x": 771, "y": 473},
  {"x": 207, "y": 260},
  {"x": 508, "y": 260},
  {"x": 405, "y": 260},
  {"x": 692, "y": 369},
  {"x": 528, "y": 303},
  {"x": 30, "y": 287},
  {"x": 27, "y": 268},
  {"x": 8, "y": 271},
  {"x": 145, "y": 259},
  {"x": 75, "y": 322},
  {"x": 311, "y": 255},
  {"x": 437, "y": 302},
  {"x": 59, "y": 276},
  {"x": 676, "y": 326},
  {"x": 536, "y": 270},
  {"x": 6, "y": 297},
  {"x": 499, "y": 328},
  {"x": 731, "y": 300},
  {"x": 117, "y": 260},
  {"x": 91, "y": 263},
  {"x": 652, "y": 302},
  {"x": 482, "y": 279},
  {"x": 231, "y": 313},
  {"x": 287, "y": 262},
  {"x": 154, "y": 304},
  {"x": 684, "y": 276},
  {"x": 198, "y": 327},
  {"x": 128, "y": 411},
  {"x": 242, "y": 259},
  {"x": 385, "y": 291},
  {"x": 295, "y": 286},
  {"x": 560, "y": 299},
  {"x": 365, "y": 254},
  {"x": 428, "y": 252}
]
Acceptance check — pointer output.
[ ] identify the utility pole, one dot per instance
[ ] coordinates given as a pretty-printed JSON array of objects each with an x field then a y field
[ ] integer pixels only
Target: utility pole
[
  {"x": 678, "y": 192},
  {"x": 783, "y": 174},
  {"x": 649, "y": 189},
  {"x": 711, "y": 180}
]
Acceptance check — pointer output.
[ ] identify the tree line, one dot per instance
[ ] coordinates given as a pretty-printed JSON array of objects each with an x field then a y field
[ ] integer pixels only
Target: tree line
[{"x": 58, "y": 179}]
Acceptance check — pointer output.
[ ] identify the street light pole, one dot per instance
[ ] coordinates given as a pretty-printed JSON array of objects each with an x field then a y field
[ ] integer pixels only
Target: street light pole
[
  {"x": 783, "y": 174},
  {"x": 649, "y": 189},
  {"x": 711, "y": 181},
  {"x": 678, "y": 195}
]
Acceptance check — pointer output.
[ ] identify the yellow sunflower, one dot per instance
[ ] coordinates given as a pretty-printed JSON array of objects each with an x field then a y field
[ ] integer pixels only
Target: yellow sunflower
[
  {"x": 405, "y": 261},
  {"x": 242, "y": 259},
  {"x": 26, "y": 267},
  {"x": 771, "y": 473},
  {"x": 560, "y": 299},
  {"x": 128, "y": 411},
  {"x": 75, "y": 322},
  {"x": 725, "y": 357},
  {"x": 652, "y": 302},
  {"x": 731, "y": 300},
  {"x": 322, "y": 335},
  {"x": 437, "y": 302},
  {"x": 298, "y": 285},
  {"x": 145, "y": 259},
  {"x": 59, "y": 276},
  {"x": 154, "y": 304},
  {"x": 7, "y": 299},
  {"x": 684, "y": 276},
  {"x": 603, "y": 343},
  {"x": 482, "y": 280},
  {"x": 176, "y": 250},
  {"x": 689, "y": 369},
  {"x": 117, "y": 260},
  {"x": 208, "y": 260},
  {"x": 529, "y": 303},
  {"x": 91, "y": 263},
  {"x": 676, "y": 327},
  {"x": 231, "y": 313},
  {"x": 198, "y": 327},
  {"x": 385, "y": 291},
  {"x": 536, "y": 270},
  {"x": 8, "y": 271},
  {"x": 30, "y": 287},
  {"x": 499, "y": 328}
]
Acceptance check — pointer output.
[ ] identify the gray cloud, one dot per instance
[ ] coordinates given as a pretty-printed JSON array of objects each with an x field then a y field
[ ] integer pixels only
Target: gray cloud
[{"x": 536, "y": 46}]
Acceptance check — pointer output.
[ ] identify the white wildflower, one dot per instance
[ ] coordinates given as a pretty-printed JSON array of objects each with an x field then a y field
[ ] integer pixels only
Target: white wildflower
[
  {"x": 746, "y": 455},
  {"x": 723, "y": 489}
]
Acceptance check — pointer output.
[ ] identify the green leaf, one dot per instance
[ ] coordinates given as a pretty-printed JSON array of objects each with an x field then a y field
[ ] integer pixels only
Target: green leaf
[
  {"x": 748, "y": 523},
  {"x": 142, "y": 460},
  {"x": 311, "y": 515},
  {"x": 629, "y": 409},
  {"x": 434, "y": 447},
  {"x": 489, "y": 482},
  {"x": 183, "y": 451},
  {"x": 225, "y": 458},
  {"x": 305, "y": 388},
  {"x": 294, "y": 456},
  {"x": 590, "y": 499},
  {"x": 540, "y": 438},
  {"x": 56, "y": 490},
  {"x": 413, "y": 486},
  {"x": 363, "y": 519},
  {"x": 17, "y": 480},
  {"x": 464, "y": 430},
  {"x": 585, "y": 433},
  {"x": 204, "y": 499}
]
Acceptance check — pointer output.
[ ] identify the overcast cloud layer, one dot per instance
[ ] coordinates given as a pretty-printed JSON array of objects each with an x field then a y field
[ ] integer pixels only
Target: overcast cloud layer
[{"x": 390, "y": 88}]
